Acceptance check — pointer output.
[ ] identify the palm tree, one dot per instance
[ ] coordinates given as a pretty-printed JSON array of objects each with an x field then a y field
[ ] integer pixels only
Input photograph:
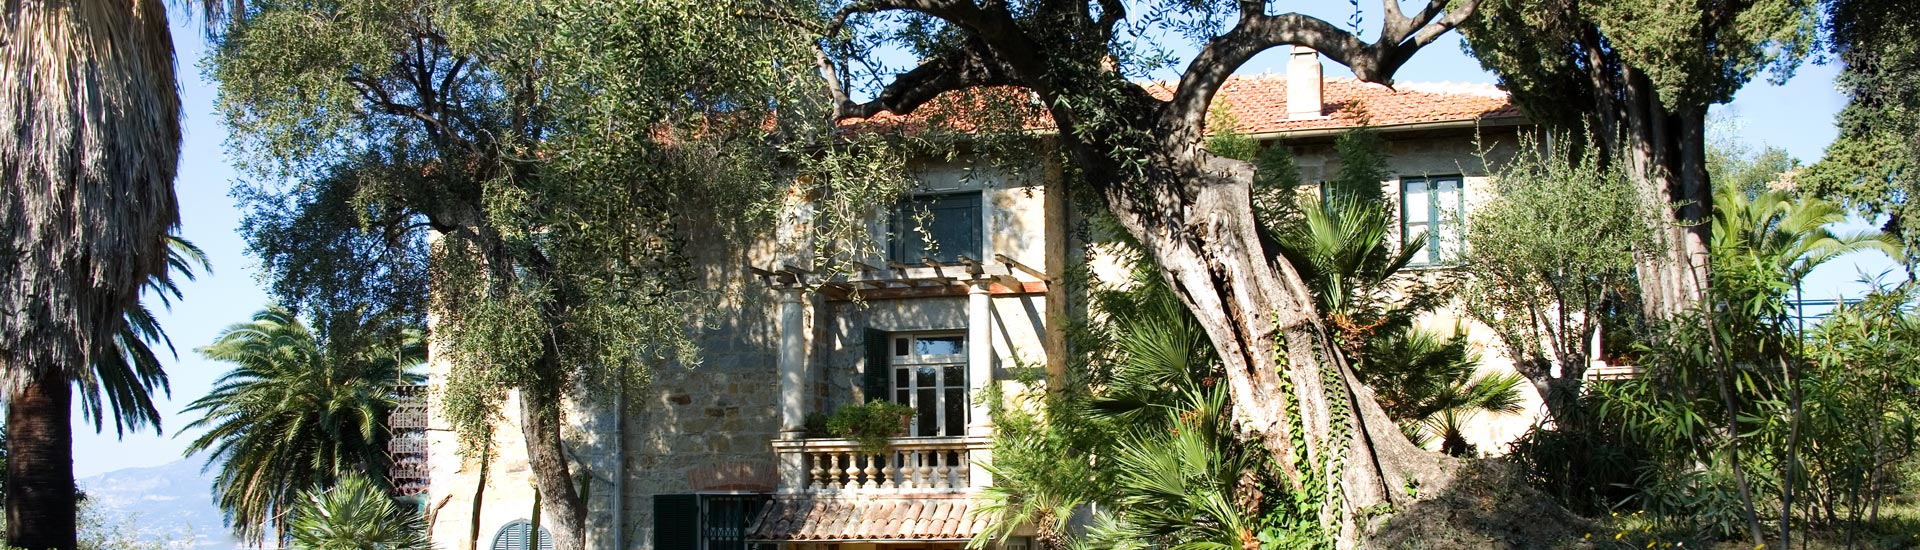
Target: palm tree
[
  {"x": 89, "y": 146},
  {"x": 1177, "y": 466},
  {"x": 1345, "y": 254},
  {"x": 299, "y": 409},
  {"x": 1425, "y": 379},
  {"x": 1792, "y": 232},
  {"x": 1427, "y": 382},
  {"x": 355, "y": 514},
  {"x": 130, "y": 371}
]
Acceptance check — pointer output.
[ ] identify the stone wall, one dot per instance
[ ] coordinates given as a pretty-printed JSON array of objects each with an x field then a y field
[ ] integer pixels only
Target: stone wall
[{"x": 708, "y": 427}]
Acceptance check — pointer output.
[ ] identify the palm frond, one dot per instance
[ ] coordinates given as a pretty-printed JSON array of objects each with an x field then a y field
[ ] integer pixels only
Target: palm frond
[
  {"x": 355, "y": 513},
  {"x": 124, "y": 377},
  {"x": 297, "y": 411}
]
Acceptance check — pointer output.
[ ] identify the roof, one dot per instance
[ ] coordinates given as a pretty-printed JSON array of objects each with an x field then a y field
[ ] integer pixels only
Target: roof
[
  {"x": 1259, "y": 105},
  {"x": 866, "y": 518}
]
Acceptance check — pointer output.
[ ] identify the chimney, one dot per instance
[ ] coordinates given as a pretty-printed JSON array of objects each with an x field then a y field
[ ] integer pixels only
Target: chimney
[{"x": 1303, "y": 84}]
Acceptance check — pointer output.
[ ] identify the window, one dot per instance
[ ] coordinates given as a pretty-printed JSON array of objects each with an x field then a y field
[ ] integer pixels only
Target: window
[
  {"x": 1434, "y": 207},
  {"x": 514, "y": 535},
  {"x": 930, "y": 375},
  {"x": 942, "y": 227},
  {"x": 704, "y": 521}
]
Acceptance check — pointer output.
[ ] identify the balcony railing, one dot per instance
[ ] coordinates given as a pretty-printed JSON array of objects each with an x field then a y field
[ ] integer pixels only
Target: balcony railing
[
  {"x": 408, "y": 445},
  {"x": 909, "y": 465}
]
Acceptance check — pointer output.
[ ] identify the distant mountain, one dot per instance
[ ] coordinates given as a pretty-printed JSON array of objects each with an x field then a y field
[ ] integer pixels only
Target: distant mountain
[{"x": 172, "y": 500}]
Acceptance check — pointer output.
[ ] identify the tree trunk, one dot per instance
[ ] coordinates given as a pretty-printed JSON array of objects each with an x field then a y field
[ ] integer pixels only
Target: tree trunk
[
  {"x": 1665, "y": 155},
  {"x": 41, "y": 504},
  {"x": 1287, "y": 382},
  {"x": 479, "y": 492},
  {"x": 552, "y": 477}
]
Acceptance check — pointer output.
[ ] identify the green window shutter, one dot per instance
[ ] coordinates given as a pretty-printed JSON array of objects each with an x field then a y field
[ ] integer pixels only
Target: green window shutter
[
  {"x": 879, "y": 360},
  {"x": 676, "y": 522}
]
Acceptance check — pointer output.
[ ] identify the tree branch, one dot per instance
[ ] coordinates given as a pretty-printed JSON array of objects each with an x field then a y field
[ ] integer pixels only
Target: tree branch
[
  {"x": 964, "y": 68},
  {"x": 1255, "y": 33},
  {"x": 1400, "y": 37}
]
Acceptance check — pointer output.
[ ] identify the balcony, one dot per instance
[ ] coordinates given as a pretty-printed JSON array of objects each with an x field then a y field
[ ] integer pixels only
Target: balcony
[
  {"x": 408, "y": 445},
  {"x": 910, "y": 466}
]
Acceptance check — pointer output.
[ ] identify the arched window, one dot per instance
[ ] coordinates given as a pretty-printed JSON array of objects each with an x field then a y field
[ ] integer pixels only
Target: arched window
[{"x": 513, "y": 536}]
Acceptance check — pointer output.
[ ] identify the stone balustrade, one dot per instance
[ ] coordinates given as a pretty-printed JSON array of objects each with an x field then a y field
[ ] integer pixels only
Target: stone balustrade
[{"x": 910, "y": 465}]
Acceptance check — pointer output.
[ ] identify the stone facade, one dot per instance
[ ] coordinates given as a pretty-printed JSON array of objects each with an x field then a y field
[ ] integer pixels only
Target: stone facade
[{"x": 712, "y": 428}]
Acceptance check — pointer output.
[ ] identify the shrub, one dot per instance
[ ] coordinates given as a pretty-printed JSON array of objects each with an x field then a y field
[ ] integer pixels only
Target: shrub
[{"x": 871, "y": 425}]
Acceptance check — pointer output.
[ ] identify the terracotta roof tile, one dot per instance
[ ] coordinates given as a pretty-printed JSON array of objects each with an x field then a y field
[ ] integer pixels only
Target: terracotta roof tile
[
  {"x": 853, "y": 518},
  {"x": 1259, "y": 105}
]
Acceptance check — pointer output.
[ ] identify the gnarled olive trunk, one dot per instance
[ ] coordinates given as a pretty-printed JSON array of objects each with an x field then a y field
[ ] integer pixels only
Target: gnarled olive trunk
[
  {"x": 1289, "y": 386},
  {"x": 552, "y": 476},
  {"x": 40, "y": 489}
]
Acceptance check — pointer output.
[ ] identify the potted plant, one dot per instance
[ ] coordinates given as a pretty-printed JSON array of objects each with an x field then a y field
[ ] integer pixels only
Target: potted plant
[{"x": 870, "y": 425}]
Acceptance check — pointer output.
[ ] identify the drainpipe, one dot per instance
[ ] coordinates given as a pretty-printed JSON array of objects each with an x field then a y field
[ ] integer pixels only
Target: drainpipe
[{"x": 620, "y": 465}]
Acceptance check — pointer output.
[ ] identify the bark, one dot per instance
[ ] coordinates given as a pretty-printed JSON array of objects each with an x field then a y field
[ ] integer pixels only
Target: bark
[
  {"x": 479, "y": 494},
  {"x": 1198, "y": 225},
  {"x": 552, "y": 477},
  {"x": 40, "y": 496},
  {"x": 1193, "y": 212},
  {"x": 1664, "y": 151}
]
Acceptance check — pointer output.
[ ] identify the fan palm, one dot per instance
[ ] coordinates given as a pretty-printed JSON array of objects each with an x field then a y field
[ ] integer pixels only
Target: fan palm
[
  {"x": 1427, "y": 382},
  {"x": 355, "y": 514},
  {"x": 129, "y": 372},
  {"x": 299, "y": 409},
  {"x": 89, "y": 146},
  {"x": 1345, "y": 254}
]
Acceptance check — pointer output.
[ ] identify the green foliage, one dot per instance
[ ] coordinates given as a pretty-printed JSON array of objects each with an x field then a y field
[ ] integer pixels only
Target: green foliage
[
  {"x": 1736, "y": 418},
  {"x": 1150, "y": 447},
  {"x": 1426, "y": 380},
  {"x": 1363, "y": 167},
  {"x": 1731, "y": 163},
  {"x": 130, "y": 371},
  {"x": 1276, "y": 185},
  {"x": 572, "y": 158},
  {"x": 1869, "y": 166},
  {"x": 1224, "y": 138},
  {"x": 871, "y": 425},
  {"x": 299, "y": 409},
  {"x": 1551, "y": 250},
  {"x": 1690, "y": 54},
  {"x": 355, "y": 514},
  {"x": 1861, "y": 392},
  {"x": 1344, "y": 251},
  {"x": 1791, "y": 231}
]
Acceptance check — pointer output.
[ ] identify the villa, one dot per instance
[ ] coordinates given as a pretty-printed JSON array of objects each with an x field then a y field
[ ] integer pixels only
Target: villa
[{"x": 722, "y": 457}]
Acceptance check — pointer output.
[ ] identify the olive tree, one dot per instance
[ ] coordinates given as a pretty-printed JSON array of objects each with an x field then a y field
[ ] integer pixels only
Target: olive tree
[
  {"x": 1638, "y": 76},
  {"x": 545, "y": 165},
  {"x": 1145, "y": 158}
]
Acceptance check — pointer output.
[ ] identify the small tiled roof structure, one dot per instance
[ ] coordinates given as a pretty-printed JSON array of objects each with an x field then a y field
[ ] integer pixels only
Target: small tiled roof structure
[
  {"x": 824, "y": 518},
  {"x": 1258, "y": 104}
]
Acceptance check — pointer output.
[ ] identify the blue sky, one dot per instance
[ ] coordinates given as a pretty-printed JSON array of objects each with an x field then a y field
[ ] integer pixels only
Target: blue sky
[{"x": 1797, "y": 116}]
